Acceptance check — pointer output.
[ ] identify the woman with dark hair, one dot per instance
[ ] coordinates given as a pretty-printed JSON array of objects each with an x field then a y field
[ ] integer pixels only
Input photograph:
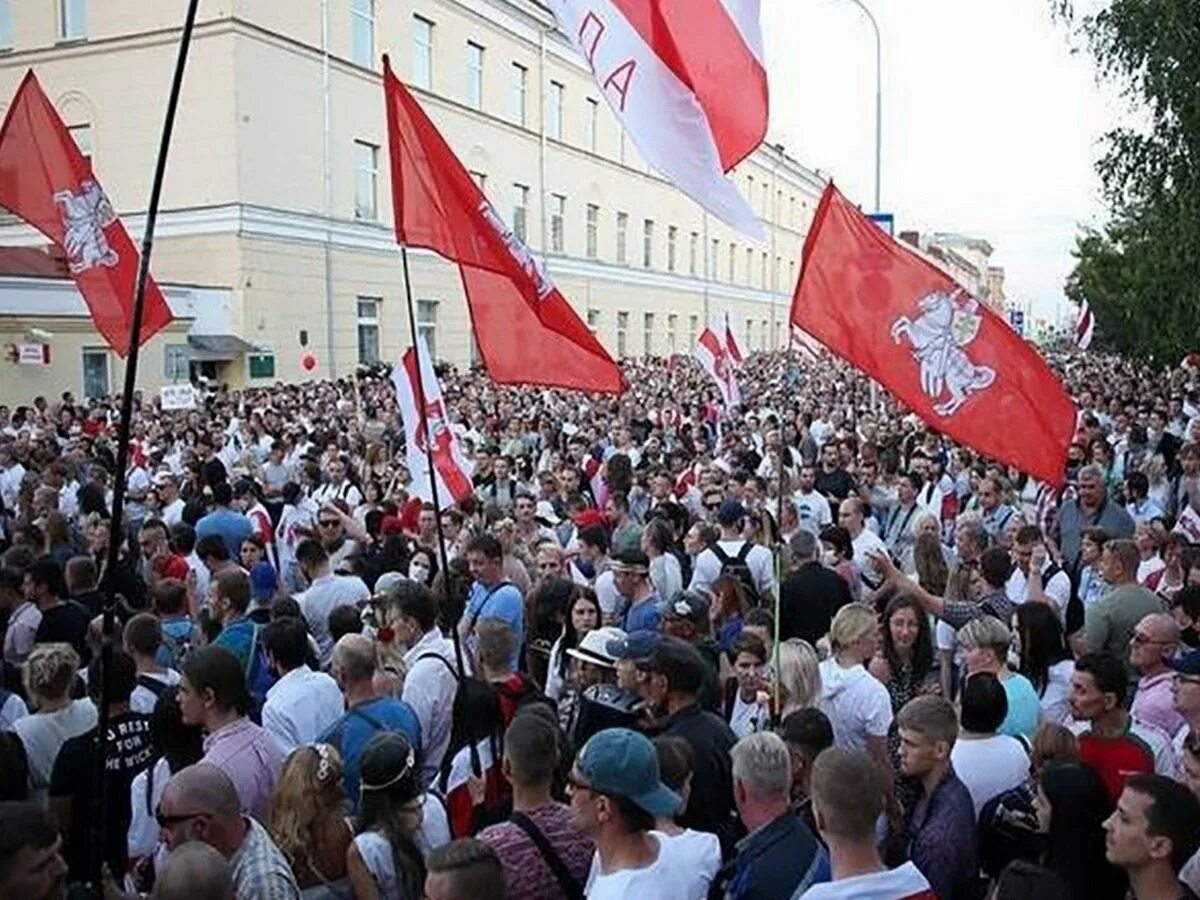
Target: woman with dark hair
[
  {"x": 1071, "y": 807},
  {"x": 1044, "y": 658},
  {"x": 838, "y": 554},
  {"x": 384, "y": 861},
  {"x": 727, "y": 611},
  {"x": 1092, "y": 585},
  {"x": 574, "y": 611},
  {"x": 658, "y": 543}
]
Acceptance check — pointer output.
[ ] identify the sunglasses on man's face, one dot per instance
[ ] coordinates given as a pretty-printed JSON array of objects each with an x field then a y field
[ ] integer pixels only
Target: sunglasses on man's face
[
  {"x": 332, "y": 523},
  {"x": 165, "y": 821}
]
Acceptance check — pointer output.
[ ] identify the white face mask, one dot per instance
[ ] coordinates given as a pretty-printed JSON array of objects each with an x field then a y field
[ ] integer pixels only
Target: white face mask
[{"x": 417, "y": 572}]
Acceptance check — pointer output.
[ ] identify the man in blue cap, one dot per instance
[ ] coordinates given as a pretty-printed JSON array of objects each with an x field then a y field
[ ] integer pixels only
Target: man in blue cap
[{"x": 616, "y": 794}]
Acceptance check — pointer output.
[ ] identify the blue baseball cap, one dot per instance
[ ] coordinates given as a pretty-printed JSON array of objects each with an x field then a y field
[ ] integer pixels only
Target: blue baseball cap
[
  {"x": 730, "y": 512},
  {"x": 1187, "y": 664},
  {"x": 623, "y": 763},
  {"x": 636, "y": 645}
]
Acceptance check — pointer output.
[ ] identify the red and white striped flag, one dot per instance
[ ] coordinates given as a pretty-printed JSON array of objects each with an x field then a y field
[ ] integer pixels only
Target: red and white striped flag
[
  {"x": 713, "y": 353},
  {"x": 687, "y": 81},
  {"x": 1084, "y": 327},
  {"x": 451, "y": 467},
  {"x": 733, "y": 345}
]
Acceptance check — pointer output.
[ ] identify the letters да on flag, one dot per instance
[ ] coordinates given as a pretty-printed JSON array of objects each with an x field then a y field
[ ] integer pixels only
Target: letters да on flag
[
  {"x": 686, "y": 79},
  {"x": 451, "y": 468},
  {"x": 46, "y": 181},
  {"x": 908, "y": 325},
  {"x": 714, "y": 354},
  {"x": 526, "y": 331}
]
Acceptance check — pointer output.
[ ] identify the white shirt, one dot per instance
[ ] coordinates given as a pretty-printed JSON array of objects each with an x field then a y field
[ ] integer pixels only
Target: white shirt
[
  {"x": 172, "y": 513},
  {"x": 143, "y": 700},
  {"x": 323, "y": 596},
  {"x": 812, "y": 511},
  {"x": 747, "y": 718},
  {"x": 14, "y": 708},
  {"x": 429, "y": 688},
  {"x": 22, "y": 632},
  {"x": 1056, "y": 701},
  {"x": 868, "y": 542},
  {"x": 857, "y": 704},
  {"x": 344, "y": 491},
  {"x": 759, "y": 561},
  {"x": 1148, "y": 567},
  {"x": 989, "y": 766},
  {"x": 1057, "y": 589},
  {"x": 697, "y": 853},
  {"x": 300, "y": 706},
  {"x": 664, "y": 879},
  {"x": 43, "y": 735},
  {"x": 891, "y": 884},
  {"x": 10, "y": 485},
  {"x": 143, "y": 830}
]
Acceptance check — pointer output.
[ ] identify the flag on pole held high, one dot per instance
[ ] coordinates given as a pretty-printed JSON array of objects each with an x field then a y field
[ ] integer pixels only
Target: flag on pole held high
[
  {"x": 688, "y": 83},
  {"x": 1084, "y": 327},
  {"x": 48, "y": 182},
  {"x": 954, "y": 362},
  {"x": 715, "y": 349},
  {"x": 451, "y": 468},
  {"x": 526, "y": 331},
  {"x": 733, "y": 344}
]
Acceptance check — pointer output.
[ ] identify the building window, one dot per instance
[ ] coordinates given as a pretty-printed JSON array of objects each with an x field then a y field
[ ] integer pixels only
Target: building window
[
  {"x": 520, "y": 84},
  {"x": 672, "y": 327},
  {"x": 82, "y": 135},
  {"x": 480, "y": 180},
  {"x": 72, "y": 26},
  {"x": 765, "y": 283},
  {"x": 622, "y": 229},
  {"x": 622, "y": 333},
  {"x": 422, "y": 53},
  {"x": 711, "y": 264},
  {"x": 693, "y": 245},
  {"x": 766, "y": 339},
  {"x": 593, "y": 319},
  {"x": 362, "y": 24},
  {"x": 368, "y": 330},
  {"x": 366, "y": 163},
  {"x": 778, "y": 271},
  {"x": 648, "y": 334},
  {"x": 749, "y": 265},
  {"x": 775, "y": 335},
  {"x": 647, "y": 243},
  {"x": 6, "y": 38},
  {"x": 778, "y": 207},
  {"x": 427, "y": 324},
  {"x": 554, "y": 111},
  {"x": 693, "y": 329},
  {"x": 672, "y": 241},
  {"x": 749, "y": 334},
  {"x": 177, "y": 359},
  {"x": 95, "y": 372},
  {"x": 732, "y": 261},
  {"x": 593, "y": 229},
  {"x": 593, "y": 121},
  {"x": 520, "y": 210},
  {"x": 558, "y": 213},
  {"x": 621, "y": 137},
  {"x": 792, "y": 209},
  {"x": 260, "y": 365},
  {"x": 750, "y": 189},
  {"x": 766, "y": 198},
  {"x": 474, "y": 75},
  {"x": 791, "y": 282}
]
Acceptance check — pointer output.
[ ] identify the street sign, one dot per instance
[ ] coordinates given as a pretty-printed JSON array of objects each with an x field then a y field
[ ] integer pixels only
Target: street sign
[{"x": 886, "y": 221}]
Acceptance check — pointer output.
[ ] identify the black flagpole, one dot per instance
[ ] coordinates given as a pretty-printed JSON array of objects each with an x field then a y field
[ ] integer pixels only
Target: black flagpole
[
  {"x": 100, "y": 824},
  {"x": 443, "y": 561}
]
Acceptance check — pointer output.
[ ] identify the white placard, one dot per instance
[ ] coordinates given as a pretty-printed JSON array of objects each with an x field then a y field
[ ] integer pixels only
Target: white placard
[
  {"x": 31, "y": 354},
  {"x": 178, "y": 396}
]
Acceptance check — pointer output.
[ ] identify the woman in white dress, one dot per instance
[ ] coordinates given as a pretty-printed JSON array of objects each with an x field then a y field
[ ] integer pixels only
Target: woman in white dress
[{"x": 385, "y": 860}]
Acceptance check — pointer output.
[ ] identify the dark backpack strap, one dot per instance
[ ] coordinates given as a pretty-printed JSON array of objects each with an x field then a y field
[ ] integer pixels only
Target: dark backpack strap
[
  {"x": 482, "y": 606},
  {"x": 719, "y": 552},
  {"x": 369, "y": 719},
  {"x": 731, "y": 689},
  {"x": 572, "y": 889},
  {"x": 744, "y": 554},
  {"x": 442, "y": 659}
]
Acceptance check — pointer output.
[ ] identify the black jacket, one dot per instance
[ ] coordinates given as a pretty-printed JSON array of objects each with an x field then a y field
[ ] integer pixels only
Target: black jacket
[{"x": 808, "y": 600}]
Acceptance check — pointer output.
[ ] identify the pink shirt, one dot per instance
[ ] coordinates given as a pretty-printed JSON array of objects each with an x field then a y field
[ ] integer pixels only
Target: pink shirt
[
  {"x": 1154, "y": 702},
  {"x": 251, "y": 759}
]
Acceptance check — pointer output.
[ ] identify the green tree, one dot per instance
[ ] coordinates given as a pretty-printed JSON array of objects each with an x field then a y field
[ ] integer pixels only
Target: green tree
[{"x": 1141, "y": 271}]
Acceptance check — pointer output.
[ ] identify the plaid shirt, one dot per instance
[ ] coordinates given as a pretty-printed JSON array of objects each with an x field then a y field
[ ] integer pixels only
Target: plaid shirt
[{"x": 260, "y": 869}]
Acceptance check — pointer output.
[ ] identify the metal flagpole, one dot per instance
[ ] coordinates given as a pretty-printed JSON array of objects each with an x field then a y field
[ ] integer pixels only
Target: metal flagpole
[
  {"x": 443, "y": 559},
  {"x": 100, "y": 824},
  {"x": 790, "y": 360}
]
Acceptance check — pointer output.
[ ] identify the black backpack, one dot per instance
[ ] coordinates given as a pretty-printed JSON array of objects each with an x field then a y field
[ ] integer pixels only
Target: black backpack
[{"x": 736, "y": 567}]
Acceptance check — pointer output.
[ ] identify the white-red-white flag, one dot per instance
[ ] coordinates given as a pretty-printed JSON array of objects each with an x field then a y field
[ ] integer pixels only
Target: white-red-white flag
[
  {"x": 733, "y": 344},
  {"x": 712, "y": 352},
  {"x": 1084, "y": 326},
  {"x": 426, "y": 415},
  {"x": 687, "y": 81}
]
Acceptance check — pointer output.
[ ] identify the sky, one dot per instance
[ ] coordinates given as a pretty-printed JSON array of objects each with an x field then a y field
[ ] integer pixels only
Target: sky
[{"x": 991, "y": 125}]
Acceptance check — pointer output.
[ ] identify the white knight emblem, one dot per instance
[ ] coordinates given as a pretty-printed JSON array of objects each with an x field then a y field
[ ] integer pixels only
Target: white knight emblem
[
  {"x": 947, "y": 324},
  {"x": 85, "y": 216}
]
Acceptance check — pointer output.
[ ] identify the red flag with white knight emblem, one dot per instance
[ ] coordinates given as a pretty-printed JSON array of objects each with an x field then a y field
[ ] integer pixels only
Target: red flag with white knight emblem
[
  {"x": 715, "y": 357},
  {"x": 47, "y": 181},
  {"x": 526, "y": 330},
  {"x": 451, "y": 468},
  {"x": 908, "y": 325}
]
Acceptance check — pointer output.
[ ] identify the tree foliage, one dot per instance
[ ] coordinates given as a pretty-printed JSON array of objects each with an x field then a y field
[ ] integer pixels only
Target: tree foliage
[{"x": 1141, "y": 272}]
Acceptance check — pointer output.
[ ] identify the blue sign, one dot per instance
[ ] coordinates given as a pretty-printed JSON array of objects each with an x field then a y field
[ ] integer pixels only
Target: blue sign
[{"x": 886, "y": 221}]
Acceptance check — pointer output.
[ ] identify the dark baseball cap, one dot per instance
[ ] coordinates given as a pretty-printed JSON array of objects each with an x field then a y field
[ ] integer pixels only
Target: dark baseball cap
[
  {"x": 731, "y": 512},
  {"x": 637, "y": 645}
]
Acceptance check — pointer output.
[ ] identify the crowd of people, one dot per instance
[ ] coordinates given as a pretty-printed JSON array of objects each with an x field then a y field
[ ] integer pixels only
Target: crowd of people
[{"x": 806, "y": 648}]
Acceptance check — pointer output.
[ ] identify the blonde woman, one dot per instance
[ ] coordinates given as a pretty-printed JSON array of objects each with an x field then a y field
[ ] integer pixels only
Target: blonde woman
[
  {"x": 308, "y": 817},
  {"x": 49, "y": 675},
  {"x": 799, "y": 677}
]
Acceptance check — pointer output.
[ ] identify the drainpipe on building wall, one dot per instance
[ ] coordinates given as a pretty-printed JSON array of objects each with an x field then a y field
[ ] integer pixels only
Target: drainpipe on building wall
[
  {"x": 542, "y": 29},
  {"x": 774, "y": 269},
  {"x": 330, "y": 359},
  {"x": 707, "y": 271}
]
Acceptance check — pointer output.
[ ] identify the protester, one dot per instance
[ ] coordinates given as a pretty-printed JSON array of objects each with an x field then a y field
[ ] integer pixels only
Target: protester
[
  {"x": 464, "y": 868},
  {"x": 697, "y": 853},
  {"x": 307, "y": 820},
  {"x": 31, "y": 864},
  {"x": 1154, "y": 831},
  {"x": 301, "y": 704}
]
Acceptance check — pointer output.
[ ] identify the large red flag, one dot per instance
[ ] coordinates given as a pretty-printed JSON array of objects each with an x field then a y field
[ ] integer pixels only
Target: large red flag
[
  {"x": 909, "y": 326},
  {"x": 46, "y": 181},
  {"x": 526, "y": 331}
]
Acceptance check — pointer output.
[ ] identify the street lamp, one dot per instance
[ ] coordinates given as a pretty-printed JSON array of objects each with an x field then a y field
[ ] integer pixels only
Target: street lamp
[{"x": 878, "y": 96}]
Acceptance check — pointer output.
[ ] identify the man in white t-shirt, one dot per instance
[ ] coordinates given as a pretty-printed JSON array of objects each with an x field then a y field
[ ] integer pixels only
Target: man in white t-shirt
[
  {"x": 616, "y": 793},
  {"x": 865, "y": 541},
  {"x": 848, "y": 798},
  {"x": 757, "y": 559},
  {"x": 1035, "y": 577},
  {"x": 812, "y": 509}
]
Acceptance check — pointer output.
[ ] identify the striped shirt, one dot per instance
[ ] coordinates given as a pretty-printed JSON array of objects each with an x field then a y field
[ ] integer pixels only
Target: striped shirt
[{"x": 260, "y": 870}]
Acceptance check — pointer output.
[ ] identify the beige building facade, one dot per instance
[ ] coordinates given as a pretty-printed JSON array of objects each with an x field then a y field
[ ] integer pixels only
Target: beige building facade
[{"x": 275, "y": 240}]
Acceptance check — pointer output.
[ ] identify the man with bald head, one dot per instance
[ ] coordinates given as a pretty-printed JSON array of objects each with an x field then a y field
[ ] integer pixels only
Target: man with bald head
[
  {"x": 194, "y": 871},
  {"x": 200, "y": 803},
  {"x": 1154, "y": 642},
  {"x": 367, "y": 711},
  {"x": 851, "y": 517}
]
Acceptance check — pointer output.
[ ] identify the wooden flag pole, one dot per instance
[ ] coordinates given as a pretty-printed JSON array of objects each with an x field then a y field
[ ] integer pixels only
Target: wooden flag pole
[{"x": 100, "y": 822}]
